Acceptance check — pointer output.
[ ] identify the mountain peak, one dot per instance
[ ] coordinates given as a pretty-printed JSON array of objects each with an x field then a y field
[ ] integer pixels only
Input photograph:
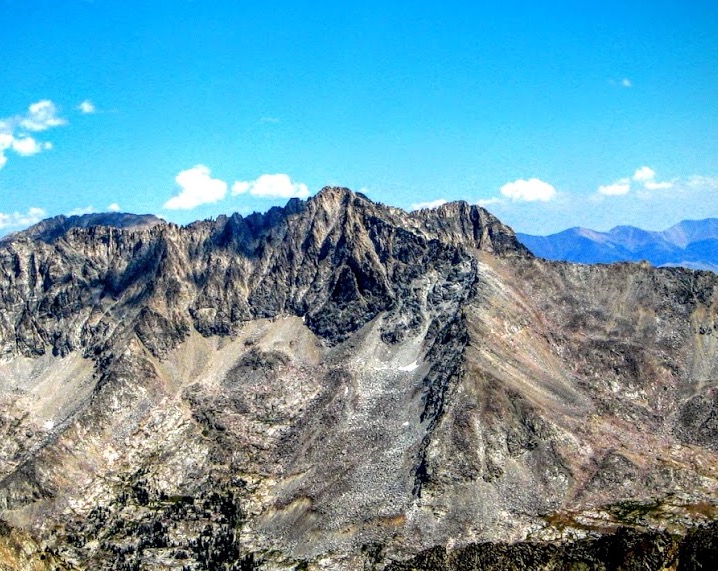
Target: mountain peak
[
  {"x": 471, "y": 225},
  {"x": 333, "y": 192}
]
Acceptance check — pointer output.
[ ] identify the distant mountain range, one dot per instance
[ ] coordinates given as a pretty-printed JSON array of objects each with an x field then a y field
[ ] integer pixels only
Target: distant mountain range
[
  {"x": 52, "y": 228},
  {"x": 691, "y": 244}
]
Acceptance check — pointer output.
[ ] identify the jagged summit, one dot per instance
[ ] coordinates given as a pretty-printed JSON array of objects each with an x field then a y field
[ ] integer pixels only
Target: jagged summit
[
  {"x": 457, "y": 222},
  {"x": 337, "y": 250}
]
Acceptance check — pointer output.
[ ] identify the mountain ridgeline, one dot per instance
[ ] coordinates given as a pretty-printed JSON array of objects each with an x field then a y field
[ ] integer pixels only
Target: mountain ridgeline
[
  {"x": 691, "y": 244},
  {"x": 338, "y": 384}
]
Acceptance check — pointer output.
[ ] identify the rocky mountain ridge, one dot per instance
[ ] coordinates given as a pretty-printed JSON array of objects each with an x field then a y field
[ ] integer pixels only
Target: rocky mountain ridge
[
  {"x": 339, "y": 384},
  {"x": 298, "y": 260}
]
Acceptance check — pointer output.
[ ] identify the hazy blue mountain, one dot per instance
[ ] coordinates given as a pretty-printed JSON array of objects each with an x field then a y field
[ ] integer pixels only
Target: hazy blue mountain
[
  {"x": 691, "y": 243},
  {"x": 50, "y": 229}
]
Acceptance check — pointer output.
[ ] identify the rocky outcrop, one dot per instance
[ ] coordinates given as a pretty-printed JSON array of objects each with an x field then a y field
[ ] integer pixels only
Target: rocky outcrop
[
  {"x": 338, "y": 384},
  {"x": 626, "y": 549}
]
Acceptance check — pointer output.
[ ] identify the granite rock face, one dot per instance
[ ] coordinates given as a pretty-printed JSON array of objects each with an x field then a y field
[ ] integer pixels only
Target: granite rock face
[{"x": 338, "y": 384}]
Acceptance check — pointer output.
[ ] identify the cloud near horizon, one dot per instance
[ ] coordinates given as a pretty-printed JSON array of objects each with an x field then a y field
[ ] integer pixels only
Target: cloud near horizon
[
  {"x": 618, "y": 188},
  {"x": 82, "y": 210},
  {"x": 484, "y": 202},
  {"x": 430, "y": 204},
  {"x": 21, "y": 220},
  {"x": 197, "y": 188},
  {"x": 645, "y": 176},
  {"x": 271, "y": 186},
  {"x": 531, "y": 190}
]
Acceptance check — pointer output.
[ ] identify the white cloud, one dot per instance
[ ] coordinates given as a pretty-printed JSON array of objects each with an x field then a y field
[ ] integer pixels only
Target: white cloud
[
  {"x": 643, "y": 174},
  {"x": 271, "y": 186},
  {"x": 87, "y": 107},
  {"x": 618, "y": 188},
  {"x": 14, "y": 130},
  {"x": 647, "y": 176},
  {"x": 26, "y": 146},
  {"x": 625, "y": 82},
  {"x": 271, "y": 120},
  {"x": 6, "y": 141},
  {"x": 531, "y": 190},
  {"x": 114, "y": 207},
  {"x": 430, "y": 204},
  {"x": 41, "y": 116},
  {"x": 18, "y": 219},
  {"x": 79, "y": 211},
  {"x": 197, "y": 187}
]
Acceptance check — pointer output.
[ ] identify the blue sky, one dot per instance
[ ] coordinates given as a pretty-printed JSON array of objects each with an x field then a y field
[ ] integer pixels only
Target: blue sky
[{"x": 551, "y": 114}]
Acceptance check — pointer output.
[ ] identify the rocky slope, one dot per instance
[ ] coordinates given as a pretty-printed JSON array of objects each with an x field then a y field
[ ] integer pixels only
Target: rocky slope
[{"x": 338, "y": 384}]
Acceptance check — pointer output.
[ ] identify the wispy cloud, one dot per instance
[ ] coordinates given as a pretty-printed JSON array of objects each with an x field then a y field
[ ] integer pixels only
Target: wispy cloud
[
  {"x": 197, "y": 187},
  {"x": 15, "y": 131},
  {"x": 483, "y": 202},
  {"x": 625, "y": 82},
  {"x": 271, "y": 186},
  {"x": 429, "y": 204},
  {"x": 87, "y": 107},
  {"x": 531, "y": 190},
  {"x": 114, "y": 207},
  {"x": 80, "y": 210},
  {"x": 271, "y": 120},
  {"x": 653, "y": 185},
  {"x": 21, "y": 220},
  {"x": 700, "y": 181}
]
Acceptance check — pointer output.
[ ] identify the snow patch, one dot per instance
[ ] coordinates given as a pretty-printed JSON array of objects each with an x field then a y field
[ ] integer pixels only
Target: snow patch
[{"x": 409, "y": 368}]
